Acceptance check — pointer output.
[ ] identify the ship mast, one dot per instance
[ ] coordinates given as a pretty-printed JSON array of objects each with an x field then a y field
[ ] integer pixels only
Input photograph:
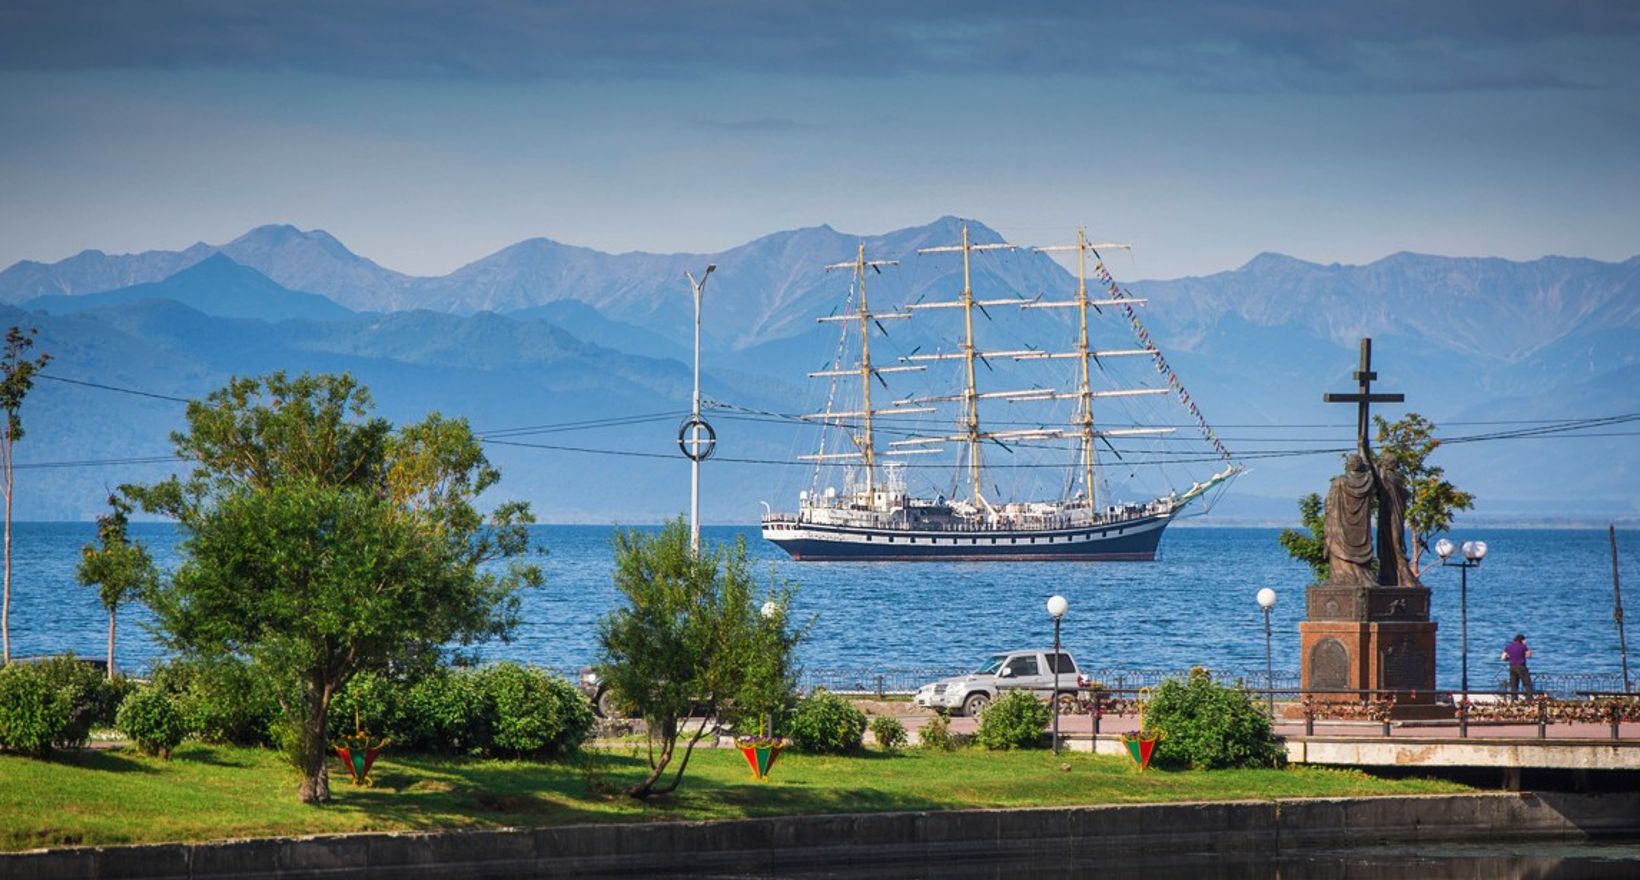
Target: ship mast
[
  {"x": 865, "y": 444},
  {"x": 1084, "y": 355},
  {"x": 868, "y": 448},
  {"x": 969, "y": 353}
]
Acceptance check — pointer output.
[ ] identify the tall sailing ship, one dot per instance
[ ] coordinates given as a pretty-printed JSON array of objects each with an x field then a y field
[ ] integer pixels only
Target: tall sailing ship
[{"x": 876, "y": 517}]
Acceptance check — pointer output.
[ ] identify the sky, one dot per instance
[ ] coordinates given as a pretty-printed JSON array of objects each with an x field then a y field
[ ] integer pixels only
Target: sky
[{"x": 426, "y": 135}]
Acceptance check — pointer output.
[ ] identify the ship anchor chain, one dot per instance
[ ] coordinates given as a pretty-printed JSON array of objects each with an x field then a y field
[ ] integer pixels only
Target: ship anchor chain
[{"x": 689, "y": 442}]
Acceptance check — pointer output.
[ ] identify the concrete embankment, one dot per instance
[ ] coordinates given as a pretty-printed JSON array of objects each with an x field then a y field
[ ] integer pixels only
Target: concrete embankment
[{"x": 1128, "y": 837}]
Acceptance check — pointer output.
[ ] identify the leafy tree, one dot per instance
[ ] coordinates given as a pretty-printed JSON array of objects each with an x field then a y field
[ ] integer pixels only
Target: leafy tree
[
  {"x": 16, "y": 380},
  {"x": 1404, "y": 447},
  {"x": 1310, "y": 549},
  {"x": 320, "y": 542},
  {"x": 690, "y": 642},
  {"x": 119, "y": 568}
]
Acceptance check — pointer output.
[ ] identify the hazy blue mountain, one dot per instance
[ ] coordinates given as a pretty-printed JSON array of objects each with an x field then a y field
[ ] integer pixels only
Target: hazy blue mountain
[
  {"x": 92, "y": 271},
  {"x": 543, "y": 333},
  {"x": 502, "y": 374},
  {"x": 310, "y": 261},
  {"x": 765, "y": 290},
  {"x": 587, "y": 323},
  {"x": 314, "y": 260},
  {"x": 216, "y": 286}
]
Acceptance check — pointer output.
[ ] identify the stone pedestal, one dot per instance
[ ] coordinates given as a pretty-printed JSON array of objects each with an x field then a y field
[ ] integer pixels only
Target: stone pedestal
[{"x": 1369, "y": 638}]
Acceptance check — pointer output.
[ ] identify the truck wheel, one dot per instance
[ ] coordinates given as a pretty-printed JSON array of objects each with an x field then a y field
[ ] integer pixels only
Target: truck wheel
[
  {"x": 975, "y": 704},
  {"x": 605, "y": 704},
  {"x": 1068, "y": 704}
]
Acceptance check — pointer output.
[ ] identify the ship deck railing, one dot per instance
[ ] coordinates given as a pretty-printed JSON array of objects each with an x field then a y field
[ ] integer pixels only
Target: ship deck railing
[{"x": 1019, "y": 524}]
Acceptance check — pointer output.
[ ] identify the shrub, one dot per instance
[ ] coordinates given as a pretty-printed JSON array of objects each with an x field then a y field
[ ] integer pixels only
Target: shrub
[
  {"x": 373, "y": 701},
  {"x": 1014, "y": 721},
  {"x": 936, "y": 735},
  {"x": 827, "y": 724},
  {"x": 536, "y": 713},
  {"x": 152, "y": 720},
  {"x": 447, "y": 711},
  {"x": 507, "y": 709},
  {"x": 1210, "y": 726},
  {"x": 88, "y": 693},
  {"x": 222, "y": 700},
  {"x": 33, "y": 714},
  {"x": 889, "y": 733}
]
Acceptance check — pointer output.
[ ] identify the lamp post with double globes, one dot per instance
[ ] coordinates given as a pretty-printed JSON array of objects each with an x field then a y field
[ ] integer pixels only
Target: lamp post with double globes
[
  {"x": 1057, "y": 606},
  {"x": 1267, "y": 601},
  {"x": 1473, "y": 553}
]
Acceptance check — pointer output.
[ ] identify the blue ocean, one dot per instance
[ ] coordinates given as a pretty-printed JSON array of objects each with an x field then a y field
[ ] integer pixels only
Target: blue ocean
[{"x": 1194, "y": 605}]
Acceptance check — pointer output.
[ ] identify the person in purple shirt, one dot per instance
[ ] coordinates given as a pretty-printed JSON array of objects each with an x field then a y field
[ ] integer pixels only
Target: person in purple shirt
[{"x": 1516, "y": 653}]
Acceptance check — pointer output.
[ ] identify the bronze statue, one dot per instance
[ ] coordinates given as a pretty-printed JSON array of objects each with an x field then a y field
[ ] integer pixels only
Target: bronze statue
[
  {"x": 1348, "y": 524},
  {"x": 1394, "y": 569}
]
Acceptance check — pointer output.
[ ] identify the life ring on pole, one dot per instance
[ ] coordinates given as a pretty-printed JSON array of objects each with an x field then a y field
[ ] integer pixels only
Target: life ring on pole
[{"x": 685, "y": 440}]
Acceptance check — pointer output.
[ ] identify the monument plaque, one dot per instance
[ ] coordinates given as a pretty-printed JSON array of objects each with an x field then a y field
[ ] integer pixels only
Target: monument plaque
[{"x": 1368, "y": 628}]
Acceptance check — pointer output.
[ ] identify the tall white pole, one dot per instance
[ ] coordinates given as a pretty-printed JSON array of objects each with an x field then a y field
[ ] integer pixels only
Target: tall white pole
[
  {"x": 694, "y": 465},
  {"x": 695, "y": 423}
]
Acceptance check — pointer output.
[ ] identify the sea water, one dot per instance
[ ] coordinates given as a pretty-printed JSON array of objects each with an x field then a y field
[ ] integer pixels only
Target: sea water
[{"x": 1193, "y": 606}]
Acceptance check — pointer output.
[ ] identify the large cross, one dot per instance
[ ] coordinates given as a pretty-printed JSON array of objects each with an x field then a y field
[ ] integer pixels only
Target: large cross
[{"x": 1364, "y": 399}]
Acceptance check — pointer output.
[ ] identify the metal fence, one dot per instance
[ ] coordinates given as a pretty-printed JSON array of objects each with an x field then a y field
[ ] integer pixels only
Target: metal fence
[
  {"x": 1566, "y": 685},
  {"x": 900, "y": 682}
]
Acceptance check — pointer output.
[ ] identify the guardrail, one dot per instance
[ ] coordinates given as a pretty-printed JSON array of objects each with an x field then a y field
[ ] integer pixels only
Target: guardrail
[{"x": 905, "y": 681}]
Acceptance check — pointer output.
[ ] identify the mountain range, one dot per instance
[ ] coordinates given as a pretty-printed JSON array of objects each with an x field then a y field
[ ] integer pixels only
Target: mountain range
[{"x": 543, "y": 335}]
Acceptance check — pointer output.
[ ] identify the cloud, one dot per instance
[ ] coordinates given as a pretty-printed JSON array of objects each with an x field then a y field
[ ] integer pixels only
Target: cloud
[{"x": 1280, "y": 45}]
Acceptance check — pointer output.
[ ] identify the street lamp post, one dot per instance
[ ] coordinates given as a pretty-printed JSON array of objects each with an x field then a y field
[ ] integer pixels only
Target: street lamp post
[
  {"x": 1266, "y": 601},
  {"x": 1057, "y": 606},
  {"x": 1473, "y": 553},
  {"x": 696, "y": 423}
]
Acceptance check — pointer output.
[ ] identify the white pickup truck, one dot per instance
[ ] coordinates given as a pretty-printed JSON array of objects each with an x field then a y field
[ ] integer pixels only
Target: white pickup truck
[{"x": 1025, "y": 669}]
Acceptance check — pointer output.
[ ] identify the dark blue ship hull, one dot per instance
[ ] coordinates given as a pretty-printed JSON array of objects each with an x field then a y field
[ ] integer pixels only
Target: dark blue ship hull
[{"x": 1132, "y": 540}]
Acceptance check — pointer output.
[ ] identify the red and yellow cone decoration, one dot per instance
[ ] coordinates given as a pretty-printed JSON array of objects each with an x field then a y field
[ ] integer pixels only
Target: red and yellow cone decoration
[
  {"x": 1142, "y": 745},
  {"x": 760, "y": 752}
]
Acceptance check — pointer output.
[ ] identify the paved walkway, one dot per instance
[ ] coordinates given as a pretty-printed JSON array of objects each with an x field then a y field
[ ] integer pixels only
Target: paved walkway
[{"x": 1083, "y": 724}]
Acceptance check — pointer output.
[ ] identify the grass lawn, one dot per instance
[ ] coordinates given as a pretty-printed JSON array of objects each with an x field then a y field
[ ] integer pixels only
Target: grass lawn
[{"x": 204, "y": 792}]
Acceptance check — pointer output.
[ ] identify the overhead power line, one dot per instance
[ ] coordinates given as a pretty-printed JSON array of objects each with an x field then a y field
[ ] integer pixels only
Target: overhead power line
[
  {"x": 116, "y": 388},
  {"x": 1510, "y": 429}
]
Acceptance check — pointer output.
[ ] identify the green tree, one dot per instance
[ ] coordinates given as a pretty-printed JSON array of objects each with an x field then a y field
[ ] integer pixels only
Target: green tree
[
  {"x": 17, "y": 373},
  {"x": 120, "y": 568},
  {"x": 692, "y": 643},
  {"x": 1404, "y": 447},
  {"x": 320, "y": 542},
  {"x": 1310, "y": 549}
]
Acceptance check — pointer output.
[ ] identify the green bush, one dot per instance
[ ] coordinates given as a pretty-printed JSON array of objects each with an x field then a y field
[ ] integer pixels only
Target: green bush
[
  {"x": 936, "y": 735},
  {"x": 448, "y": 711},
  {"x": 889, "y": 733},
  {"x": 223, "y": 700},
  {"x": 536, "y": 712},
  {"x": 33, "y": 714},
  {"x": 1210, "y": 726},
  {"x": 152, "y": 720},
  {"x": 827, "y": 724},
  {"x": 506, "y": 709},
  {"x": 1013, "y": 721},
  {"x": 92, "y": 699},
  {"x": 372, "y": 701}
]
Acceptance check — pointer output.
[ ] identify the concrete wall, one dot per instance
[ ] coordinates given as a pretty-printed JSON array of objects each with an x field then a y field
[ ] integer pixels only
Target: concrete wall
[
  {"x": 1118, "y": 836},
  {"x": 1476, "y": 752}
]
